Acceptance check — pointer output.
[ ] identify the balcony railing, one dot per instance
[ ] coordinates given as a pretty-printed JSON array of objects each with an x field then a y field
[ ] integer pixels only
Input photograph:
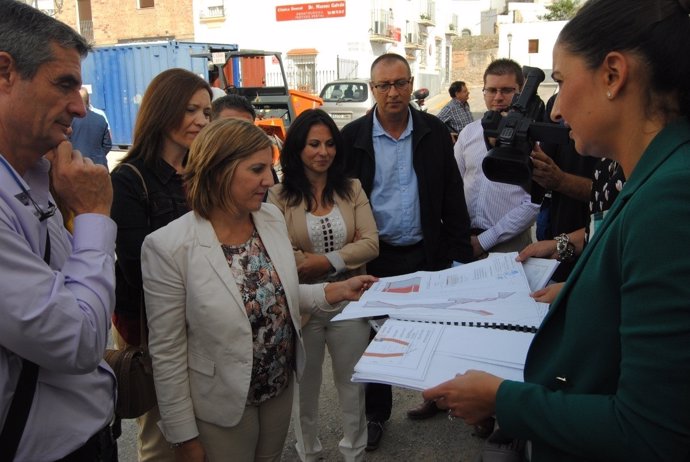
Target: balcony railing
[
  {"x": 453, "y": 26},
  {"x": 382, "y": 28},
  {"x": 213, "y": 12},
  {"x": 412, "y": 38},
  {"x": 86, "y": 29},
  {"x": 427, "y": 13}
]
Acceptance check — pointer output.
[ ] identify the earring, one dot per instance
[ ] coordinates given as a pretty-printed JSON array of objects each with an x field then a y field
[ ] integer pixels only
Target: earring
[{"x": 609, "y": 95}]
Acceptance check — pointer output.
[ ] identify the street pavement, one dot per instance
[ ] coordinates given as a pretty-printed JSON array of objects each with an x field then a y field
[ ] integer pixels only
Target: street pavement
[{"x": 434, "y": 440}]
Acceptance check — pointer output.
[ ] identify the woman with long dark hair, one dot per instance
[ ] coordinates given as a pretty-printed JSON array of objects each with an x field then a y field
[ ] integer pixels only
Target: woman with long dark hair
[{"x": 333, "y": 235}]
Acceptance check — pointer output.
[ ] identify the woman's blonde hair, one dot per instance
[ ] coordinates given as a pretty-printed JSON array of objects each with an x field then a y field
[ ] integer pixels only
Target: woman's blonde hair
[{"x": 213, "y": 159}]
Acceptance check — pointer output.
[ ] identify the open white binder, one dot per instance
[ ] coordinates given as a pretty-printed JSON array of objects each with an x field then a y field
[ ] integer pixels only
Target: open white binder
[{"x": 475, "y": 316}]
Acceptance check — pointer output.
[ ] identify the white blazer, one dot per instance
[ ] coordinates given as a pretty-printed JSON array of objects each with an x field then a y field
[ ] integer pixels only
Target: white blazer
[{"x": 200, "y": 338}]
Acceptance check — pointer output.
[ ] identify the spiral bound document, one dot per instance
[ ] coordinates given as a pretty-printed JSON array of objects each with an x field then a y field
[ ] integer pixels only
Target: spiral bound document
[
  {"x": 476, "y": 316},
  {"x": 422, "y": 355}
]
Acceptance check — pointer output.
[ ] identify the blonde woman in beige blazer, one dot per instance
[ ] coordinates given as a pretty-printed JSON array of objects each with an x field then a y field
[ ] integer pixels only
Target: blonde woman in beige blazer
[
  {"x": 333, "y": 235},
  {"x": 224, "y": 303}
]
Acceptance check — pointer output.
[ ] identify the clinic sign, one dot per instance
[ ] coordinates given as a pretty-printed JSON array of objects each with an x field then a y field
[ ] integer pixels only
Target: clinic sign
[{"x": 301, "y": 11}]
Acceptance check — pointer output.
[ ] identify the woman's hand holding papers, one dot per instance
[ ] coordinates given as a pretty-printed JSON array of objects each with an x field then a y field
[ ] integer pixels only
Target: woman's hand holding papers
[
  {"x": 539, "y": 249},
  {"x": 547, "y": 294},
  {"x": 470, "y": 396}
]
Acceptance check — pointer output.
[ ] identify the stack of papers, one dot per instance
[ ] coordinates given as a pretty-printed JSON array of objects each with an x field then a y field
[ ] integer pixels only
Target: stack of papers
[
  {"x": 490, "y": 292},
  {"x": 474, "y": 316},
  {"x": 421, "y": 355}
]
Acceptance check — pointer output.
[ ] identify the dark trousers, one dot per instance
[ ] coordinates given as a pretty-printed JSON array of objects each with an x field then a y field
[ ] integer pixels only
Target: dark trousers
[
  {"x": 392, "y": 261},
  {"x": 101, "y": 447}
]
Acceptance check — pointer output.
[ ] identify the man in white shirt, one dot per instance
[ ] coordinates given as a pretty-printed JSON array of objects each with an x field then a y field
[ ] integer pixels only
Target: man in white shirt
[{"x": 500, "y": 214}]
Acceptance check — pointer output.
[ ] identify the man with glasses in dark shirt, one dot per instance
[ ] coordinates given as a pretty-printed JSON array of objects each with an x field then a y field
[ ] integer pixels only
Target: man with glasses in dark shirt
[
  {"x": 404, "y": 159},
  {"x": 501, "y": 214}
]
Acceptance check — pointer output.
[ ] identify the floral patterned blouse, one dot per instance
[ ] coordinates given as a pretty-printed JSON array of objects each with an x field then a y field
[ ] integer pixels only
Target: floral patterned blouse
[{"x": 264, "y": 300}]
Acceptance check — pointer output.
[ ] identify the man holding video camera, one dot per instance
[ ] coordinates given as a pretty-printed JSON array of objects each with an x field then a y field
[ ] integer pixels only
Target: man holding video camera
[{"x": 501, "y": 214}]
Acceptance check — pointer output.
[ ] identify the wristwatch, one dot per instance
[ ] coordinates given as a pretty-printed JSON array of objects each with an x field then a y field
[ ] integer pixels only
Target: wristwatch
[{"x": 564, "y": 248}]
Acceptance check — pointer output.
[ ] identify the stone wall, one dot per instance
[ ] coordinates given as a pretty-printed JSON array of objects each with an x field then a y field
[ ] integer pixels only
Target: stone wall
[{"x": 471, "y": 56}]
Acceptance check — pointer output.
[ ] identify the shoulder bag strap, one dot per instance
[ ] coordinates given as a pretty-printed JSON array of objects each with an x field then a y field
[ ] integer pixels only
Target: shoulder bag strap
[
  {"x": 18, "y": 414},
  {"x": 143, "y": 338},
  {"x": 143, "y": 184}
]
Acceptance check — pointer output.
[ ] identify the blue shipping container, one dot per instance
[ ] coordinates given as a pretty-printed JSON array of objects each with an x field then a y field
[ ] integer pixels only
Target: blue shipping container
[{"x": 119, "y": 74}]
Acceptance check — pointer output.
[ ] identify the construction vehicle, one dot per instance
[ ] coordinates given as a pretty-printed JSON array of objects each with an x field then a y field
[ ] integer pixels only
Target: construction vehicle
[
  {"x": 117, "y": 76},
  {"x": 244, "y": 72}
]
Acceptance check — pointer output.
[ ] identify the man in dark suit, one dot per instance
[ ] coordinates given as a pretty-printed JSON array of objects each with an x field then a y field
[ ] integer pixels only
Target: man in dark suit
[{"x": 404, "y": 160}]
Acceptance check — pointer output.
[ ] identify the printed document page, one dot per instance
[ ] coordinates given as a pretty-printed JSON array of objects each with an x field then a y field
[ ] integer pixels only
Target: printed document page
[
  {"x": 421, "y": 355},
  {"x": 539, "y": 271},
  {"x": 490, "y": 291},
  {"x": 473, "y": 307},
  {"x": 497, "y": 281},
  {"x": 500, "y": 270}
]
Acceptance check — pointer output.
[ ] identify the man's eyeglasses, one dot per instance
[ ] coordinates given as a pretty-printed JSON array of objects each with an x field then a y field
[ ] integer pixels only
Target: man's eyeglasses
[
  {"x": 503, "y": 91},
  {"x": 25, "y": 198},
  {"x": 41, "y": 214},
  {"x": 386, "y": 86}
]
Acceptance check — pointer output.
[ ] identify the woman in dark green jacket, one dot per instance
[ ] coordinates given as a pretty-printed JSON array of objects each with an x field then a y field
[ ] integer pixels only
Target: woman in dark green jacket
[{"x": 608, "y": 374}]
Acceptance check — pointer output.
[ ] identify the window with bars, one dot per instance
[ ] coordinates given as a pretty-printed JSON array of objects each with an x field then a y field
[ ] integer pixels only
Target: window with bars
[
  {"x": 213, "y": 9},
  {"x": 302, "y": 70}
]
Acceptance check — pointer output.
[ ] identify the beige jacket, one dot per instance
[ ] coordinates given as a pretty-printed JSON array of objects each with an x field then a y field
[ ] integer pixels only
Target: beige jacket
[
  {"x": 200, "y": 337},
  {"x": 358, "y": 218}
]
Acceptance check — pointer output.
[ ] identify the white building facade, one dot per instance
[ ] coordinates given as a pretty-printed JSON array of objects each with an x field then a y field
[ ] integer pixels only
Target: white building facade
[{"x": 322, "y": 41}]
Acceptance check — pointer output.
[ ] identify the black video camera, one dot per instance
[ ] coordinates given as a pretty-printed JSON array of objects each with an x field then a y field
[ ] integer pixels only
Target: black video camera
[{"x": 508, "y": 160}]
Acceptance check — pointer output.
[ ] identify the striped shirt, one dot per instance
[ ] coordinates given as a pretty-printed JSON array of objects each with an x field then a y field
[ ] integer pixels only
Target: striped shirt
[{"x": 502, "y": 210}]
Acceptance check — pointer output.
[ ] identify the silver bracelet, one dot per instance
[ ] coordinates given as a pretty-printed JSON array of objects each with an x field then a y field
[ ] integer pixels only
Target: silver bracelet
[{"x": 564, "y": 248}]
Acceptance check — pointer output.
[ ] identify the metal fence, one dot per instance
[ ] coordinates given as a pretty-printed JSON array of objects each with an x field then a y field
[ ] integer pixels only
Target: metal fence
[
  {"x": 298, "y": 79},
  {"x": 348, "y": 68}
]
